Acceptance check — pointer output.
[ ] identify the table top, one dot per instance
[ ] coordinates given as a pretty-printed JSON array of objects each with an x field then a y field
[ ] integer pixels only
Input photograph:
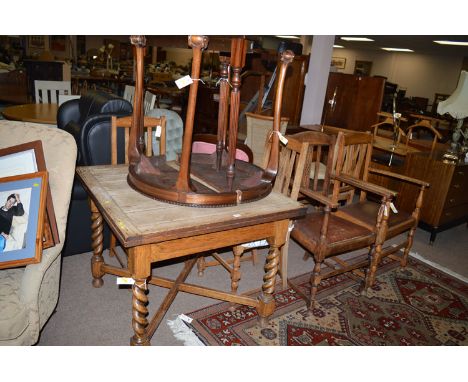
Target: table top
[
  {"x": 33, "y": 112},
  {"x": 137, "y": 219}
]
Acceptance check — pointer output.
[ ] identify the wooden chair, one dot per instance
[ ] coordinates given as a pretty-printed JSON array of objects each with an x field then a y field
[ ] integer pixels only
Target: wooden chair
[
  {"x": 422, "y": 125},
  {"x": 129, "y": 93},
  {"x": 149, "y": 101},
  {"x": 149, "y": 123},
  {"x": 324, "y": 233},
  {"x": 353, "y": 165},
  {"x": 258, "y": 129},
  {"x": 47, "y": 91},
  {"x": 293, "y": 159},
  {"x": 206, "y": 143}
]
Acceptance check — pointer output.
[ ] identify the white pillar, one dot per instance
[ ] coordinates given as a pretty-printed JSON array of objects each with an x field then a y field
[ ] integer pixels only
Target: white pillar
[{"x": 317, "y": 79}]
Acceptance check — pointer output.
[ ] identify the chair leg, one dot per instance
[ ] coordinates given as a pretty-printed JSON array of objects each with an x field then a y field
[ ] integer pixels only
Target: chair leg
[
  {"x": 375, "y": 257},
  {"x": 409, "y": 244},
  {"x": 306, "y": 256},
  {"x": 201, "y": 265},
  {"x": 235, "y": 274},
  {"x": 314, "y": 281},
  {"x": 283, "y": 265},
  {"x": 254, "y": 256},
  {"x": 112, "y": 244}
]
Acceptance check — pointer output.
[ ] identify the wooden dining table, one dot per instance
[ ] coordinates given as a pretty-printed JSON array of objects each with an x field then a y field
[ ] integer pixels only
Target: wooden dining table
[
  {"x": 152, "y": 231},
  {"x": 32, "y": 112}
]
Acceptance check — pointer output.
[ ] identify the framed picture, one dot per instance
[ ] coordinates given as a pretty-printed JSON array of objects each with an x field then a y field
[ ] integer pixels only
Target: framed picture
[
  {"x": 36, "y": 42},
  {"x": 58, "y": 43},
  {"x": 338, "y": 62},
  {"x": 362, "y": 68},
  {"x": 28, "y": 158},
  {"x": 23, "y": 199}
]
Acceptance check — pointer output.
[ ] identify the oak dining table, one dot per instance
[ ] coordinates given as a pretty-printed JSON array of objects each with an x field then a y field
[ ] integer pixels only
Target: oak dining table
[
  {"x": 32, "y": 112},
  {"x": 153, "y": 231}
]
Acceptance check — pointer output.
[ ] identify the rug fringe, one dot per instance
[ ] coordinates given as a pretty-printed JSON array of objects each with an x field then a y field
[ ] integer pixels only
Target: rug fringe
[
  {"x": 183, "y": 333},
  {"x": 438, "y": 266}
]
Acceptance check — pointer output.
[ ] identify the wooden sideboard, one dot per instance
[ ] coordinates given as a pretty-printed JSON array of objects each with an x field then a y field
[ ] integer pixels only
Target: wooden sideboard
[
  {"x": 14, "y": 87},
  {"x": 445, "y": 202}
]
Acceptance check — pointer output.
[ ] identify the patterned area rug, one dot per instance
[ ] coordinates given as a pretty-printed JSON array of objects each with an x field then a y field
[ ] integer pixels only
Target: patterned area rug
[{"x": 418, "y": 305}]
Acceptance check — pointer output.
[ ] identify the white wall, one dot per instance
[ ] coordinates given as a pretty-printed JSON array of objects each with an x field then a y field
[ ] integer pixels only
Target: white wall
[
  {"x": 316, "y": 79},
  {"x": 421, "y": 75}
]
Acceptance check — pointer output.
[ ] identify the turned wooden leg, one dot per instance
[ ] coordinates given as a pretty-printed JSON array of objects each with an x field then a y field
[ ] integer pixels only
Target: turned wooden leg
[
  {"x": 381, "y": 229},
  {"x": 254, "y": 256},
  {"x": 201, "y": 265},
  {"x": 139, "y": 314},
  {"x": 112, "y": 244},
  {"x": 267, "y": 302},
  {"x": 409, "y": 244},
  {"x": 314, "y": 282},
  {"x": 97, "y": 237},
  {"x": 235, "y": 274}
]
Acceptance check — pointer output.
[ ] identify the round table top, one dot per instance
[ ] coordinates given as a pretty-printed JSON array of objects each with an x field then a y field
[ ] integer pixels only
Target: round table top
[{"x": 33, "y": 112}]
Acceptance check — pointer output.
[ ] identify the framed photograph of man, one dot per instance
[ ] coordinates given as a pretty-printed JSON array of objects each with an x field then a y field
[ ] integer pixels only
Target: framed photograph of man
[
  {"x": 22, "y": 200},
  {"x": 24, "y": 159}
]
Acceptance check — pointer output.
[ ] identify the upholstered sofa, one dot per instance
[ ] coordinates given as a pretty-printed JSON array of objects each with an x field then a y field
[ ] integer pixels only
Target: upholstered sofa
[
  {"x": 88, "y": 119},
  {"x": 28, "y": 295}
]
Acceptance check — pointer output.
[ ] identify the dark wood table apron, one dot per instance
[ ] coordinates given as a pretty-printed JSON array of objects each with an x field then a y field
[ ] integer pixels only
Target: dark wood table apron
[{"x": 152, "y": 231}]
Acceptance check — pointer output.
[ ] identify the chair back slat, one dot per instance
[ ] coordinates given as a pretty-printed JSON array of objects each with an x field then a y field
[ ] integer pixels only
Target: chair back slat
[
  {"x": 48, "y": 91},
  {"x": 149, "y": 124}
]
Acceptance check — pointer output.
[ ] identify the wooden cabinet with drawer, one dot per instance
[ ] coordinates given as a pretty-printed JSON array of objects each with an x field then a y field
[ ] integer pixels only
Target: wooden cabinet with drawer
[{"x": 446, "y": 201}]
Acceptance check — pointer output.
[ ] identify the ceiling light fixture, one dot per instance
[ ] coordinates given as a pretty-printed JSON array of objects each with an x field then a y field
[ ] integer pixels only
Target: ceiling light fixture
[
  {"x": 356, "y": 39},
  {"x": 338, "y": 46},
  {"x": 292, "y": 37},
  {"x": 448, "y": 42},
  {"x": 398, "y": 50}
]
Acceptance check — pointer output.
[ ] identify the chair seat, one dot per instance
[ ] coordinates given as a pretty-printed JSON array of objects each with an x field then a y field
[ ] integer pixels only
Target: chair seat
[
  {"x": 342, "y": 235},
  {"x": 367, "y": 211},
  {"x": 13, "y": 314}
]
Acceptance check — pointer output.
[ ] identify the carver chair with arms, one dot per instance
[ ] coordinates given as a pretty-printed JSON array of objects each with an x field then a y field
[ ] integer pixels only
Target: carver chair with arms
[
  {"x": 353, "y": 162},
  {"x": 290, "y": 178},
  {"x": 324, "y": 233}
]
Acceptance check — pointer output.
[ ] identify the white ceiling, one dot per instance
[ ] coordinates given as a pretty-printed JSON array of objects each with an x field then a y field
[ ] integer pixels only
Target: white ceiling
[{"x": 420, "y": 44}]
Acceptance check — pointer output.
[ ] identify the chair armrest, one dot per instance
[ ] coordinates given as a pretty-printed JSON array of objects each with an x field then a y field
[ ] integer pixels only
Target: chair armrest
[
  {"x": 319, "y": 197},
  {"x": 382, "y": 191},
  {"x": 400, "y": 177}
]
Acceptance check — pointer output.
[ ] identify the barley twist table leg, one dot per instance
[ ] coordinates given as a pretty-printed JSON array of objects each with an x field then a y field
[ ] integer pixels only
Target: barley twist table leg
[
  {"x": 97, "y": 237},
  {"x": 267, "y": 303},
  {"x": 140, "y": 313}
]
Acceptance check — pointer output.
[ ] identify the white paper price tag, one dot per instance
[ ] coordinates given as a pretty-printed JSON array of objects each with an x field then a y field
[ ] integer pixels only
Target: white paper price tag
[
  {"x": 283, "y": 139},
  {"x": 184, "y": 81},
  {"x": 185, "y": 318},
  {"x": 392, "y": 206},
  {"x": 157, "y": 134},
  {"x": 125, "y": 281}
]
